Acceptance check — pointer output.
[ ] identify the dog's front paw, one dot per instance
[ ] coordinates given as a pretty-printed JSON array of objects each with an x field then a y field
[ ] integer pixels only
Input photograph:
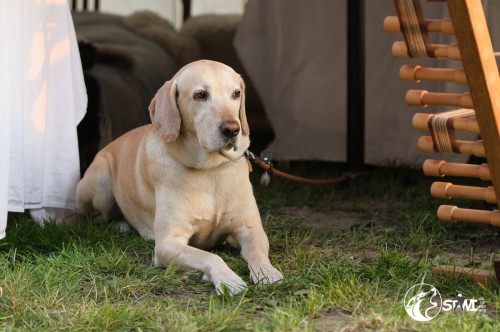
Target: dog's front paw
[
  {"x": 227, "y": 281},
  {"x": 266, "y": 275},
  {"x": 232, "y": 285}
]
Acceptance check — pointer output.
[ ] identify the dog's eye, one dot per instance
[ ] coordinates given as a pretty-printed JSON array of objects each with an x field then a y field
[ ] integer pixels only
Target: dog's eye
[
  {"x": 236, "y": 94},
  {"x": 201, "y": 95}
]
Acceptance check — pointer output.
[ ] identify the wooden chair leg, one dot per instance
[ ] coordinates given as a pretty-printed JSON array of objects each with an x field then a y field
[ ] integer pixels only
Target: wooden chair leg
[{"x": 482, "y": 277}]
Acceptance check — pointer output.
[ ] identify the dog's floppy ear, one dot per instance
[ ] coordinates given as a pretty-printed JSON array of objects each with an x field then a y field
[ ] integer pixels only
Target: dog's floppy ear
[
  {"x": 164, "y": 112},
  {"x": 243, "y": 116}
]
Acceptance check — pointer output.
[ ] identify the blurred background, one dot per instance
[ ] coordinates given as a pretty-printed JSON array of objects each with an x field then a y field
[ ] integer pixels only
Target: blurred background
[{"x": 308, "y": 66}]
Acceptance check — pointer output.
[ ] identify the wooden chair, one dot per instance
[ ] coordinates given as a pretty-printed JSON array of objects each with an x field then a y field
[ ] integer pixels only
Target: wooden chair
[{"x": 478, "y": 110}]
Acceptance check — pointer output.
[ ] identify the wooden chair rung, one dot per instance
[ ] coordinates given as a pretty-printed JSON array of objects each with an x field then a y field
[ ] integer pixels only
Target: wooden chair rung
[
  {"x": 452, "y": 213},
  {"x": 422, "y": 121},
  {"x": 444, "y": 26},
  {"x": 442, "y": 168}
]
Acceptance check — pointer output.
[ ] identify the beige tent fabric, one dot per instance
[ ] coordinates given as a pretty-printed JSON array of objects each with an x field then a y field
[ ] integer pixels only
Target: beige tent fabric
[
  {"x": 295, "y": 53},
  {"x": 492, "y": 9}
]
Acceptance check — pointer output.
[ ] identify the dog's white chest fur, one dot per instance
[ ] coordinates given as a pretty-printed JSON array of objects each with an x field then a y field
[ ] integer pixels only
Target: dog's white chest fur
[{"x": 207, "y": 210}]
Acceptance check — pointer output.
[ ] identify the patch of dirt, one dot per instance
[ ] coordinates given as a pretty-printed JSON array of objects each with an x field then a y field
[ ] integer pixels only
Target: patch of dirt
[
  {"x": 331, "y": 321},
  {"x": 474, "y": 255},
  {"x": 335, "y": 220},
  {"x": 344, "y": 220},
  {"x": 473, "y": 246}
]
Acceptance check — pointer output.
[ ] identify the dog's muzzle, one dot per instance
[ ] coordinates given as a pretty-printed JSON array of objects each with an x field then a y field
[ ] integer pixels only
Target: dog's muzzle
[{"x": 230, "y": 129}]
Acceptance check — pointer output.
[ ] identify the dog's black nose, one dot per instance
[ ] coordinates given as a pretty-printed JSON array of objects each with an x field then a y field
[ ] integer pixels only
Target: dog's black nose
[{"x": 230, "y": 129}]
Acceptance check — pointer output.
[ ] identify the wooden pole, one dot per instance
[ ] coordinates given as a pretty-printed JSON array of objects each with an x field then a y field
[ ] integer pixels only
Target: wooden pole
[
  {"x": 451, "y": 213},
  {"x": 476, "y": 148},
  {"x": 186, "y": 9},
  {"x": 442, "y": 168},
  {"x": 356, "y": 83},
  {"x": 424, "y": 98},
  {"x": 450, "y": 190},
  {"x": 417, "y": 73},
  {"x": 483, "y": 277},
  {"x": 392, "y": 25},
  {"x": 450, "y": 52}
]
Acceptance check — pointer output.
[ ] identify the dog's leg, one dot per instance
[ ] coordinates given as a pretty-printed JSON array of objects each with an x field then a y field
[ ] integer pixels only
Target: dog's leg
[
  {"x": 94, "y": 192},
  {"x": 214, "y": 269},
  {"x": 255, "y": 251}
]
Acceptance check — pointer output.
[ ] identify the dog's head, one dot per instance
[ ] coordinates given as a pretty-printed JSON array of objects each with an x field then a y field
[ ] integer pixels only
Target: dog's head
[{"x": 205, "y": 100}]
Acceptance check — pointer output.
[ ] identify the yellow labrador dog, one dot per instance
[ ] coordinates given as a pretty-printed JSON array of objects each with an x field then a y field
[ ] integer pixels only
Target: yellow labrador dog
[{"x": 183, "y": 180}]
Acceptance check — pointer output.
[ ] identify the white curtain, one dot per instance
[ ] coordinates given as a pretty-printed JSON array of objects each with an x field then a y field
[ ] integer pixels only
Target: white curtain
[{"x": 42, "y": 99}]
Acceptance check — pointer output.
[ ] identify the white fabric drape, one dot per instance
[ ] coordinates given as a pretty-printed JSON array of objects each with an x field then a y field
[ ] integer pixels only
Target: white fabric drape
[
  {"x": 295, "y": 53},
  {"x": 5, "y": 124},
  {"x": 42, "y": 99}
]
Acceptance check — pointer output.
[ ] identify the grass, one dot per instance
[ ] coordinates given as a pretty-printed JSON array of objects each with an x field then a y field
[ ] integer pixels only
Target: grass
[{"x": 372, "y": 240}]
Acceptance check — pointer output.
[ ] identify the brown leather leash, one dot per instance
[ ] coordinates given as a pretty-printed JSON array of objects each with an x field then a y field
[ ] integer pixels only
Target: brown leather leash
[{"x": 268, "y": 167}]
